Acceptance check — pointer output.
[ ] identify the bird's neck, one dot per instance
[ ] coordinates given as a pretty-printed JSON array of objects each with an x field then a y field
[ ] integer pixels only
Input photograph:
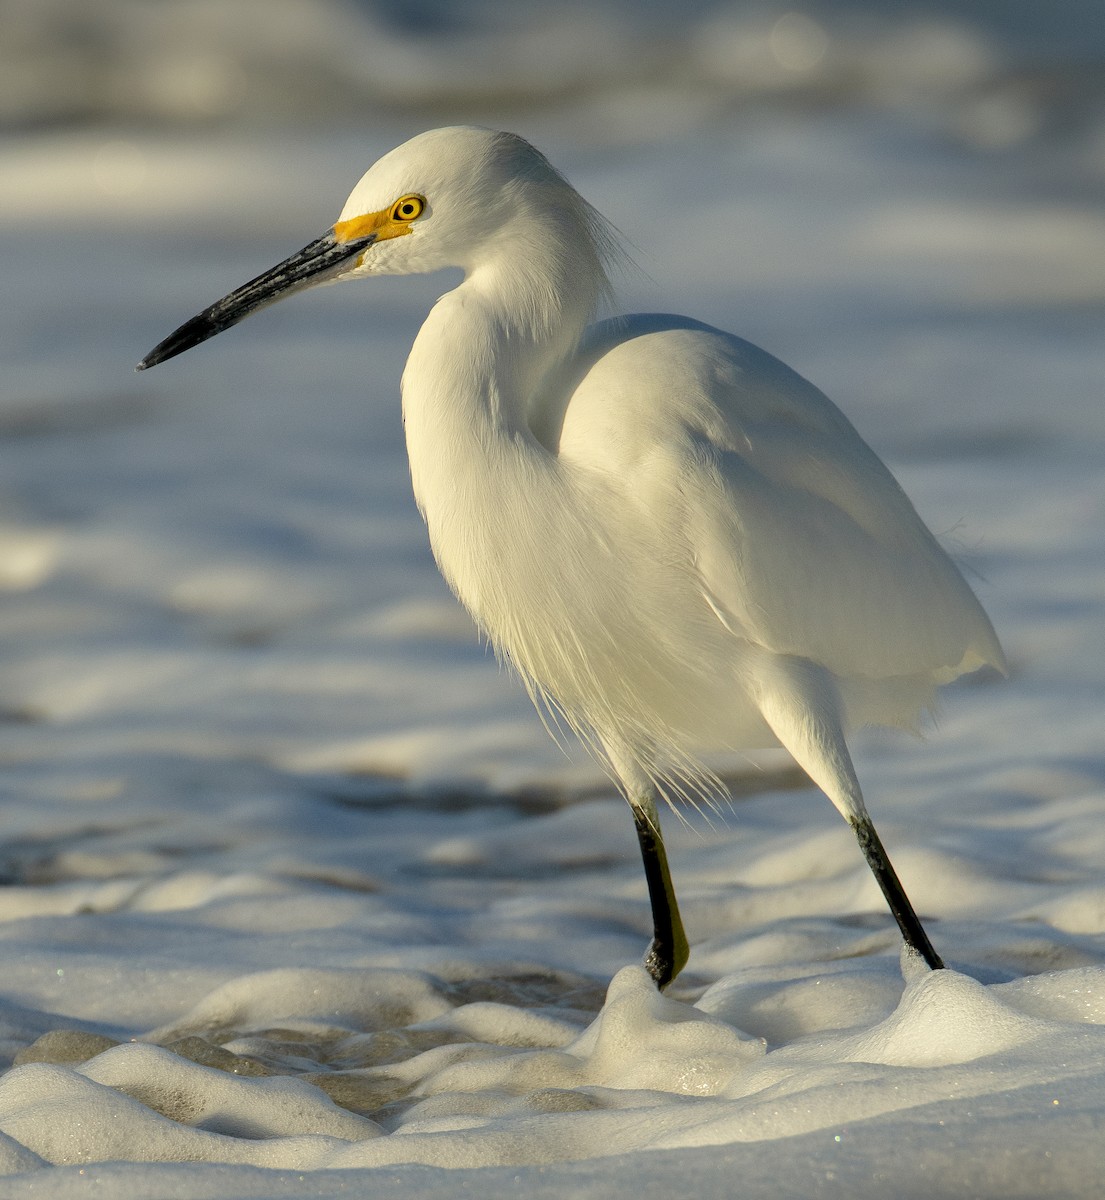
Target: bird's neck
[{"x": 474, "y": 371}]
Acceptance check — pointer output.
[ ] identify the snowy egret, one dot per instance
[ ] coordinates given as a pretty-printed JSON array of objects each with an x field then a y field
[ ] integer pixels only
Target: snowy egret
[{"x": 679, "y": 543}]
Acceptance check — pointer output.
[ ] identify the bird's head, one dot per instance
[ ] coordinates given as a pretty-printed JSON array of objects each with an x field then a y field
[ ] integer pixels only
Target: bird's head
[{"x": 447, "y": 198}]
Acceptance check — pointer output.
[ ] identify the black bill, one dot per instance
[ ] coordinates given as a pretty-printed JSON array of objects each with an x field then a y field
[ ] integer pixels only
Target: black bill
[{"x": 313, "y": 264}]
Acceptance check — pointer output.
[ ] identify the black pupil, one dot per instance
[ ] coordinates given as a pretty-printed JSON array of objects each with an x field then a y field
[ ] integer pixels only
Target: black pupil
[{"x": 407, "y": 209}]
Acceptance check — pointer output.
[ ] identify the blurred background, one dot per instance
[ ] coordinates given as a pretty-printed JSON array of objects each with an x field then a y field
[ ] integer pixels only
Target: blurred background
[
  {"x": 111, "y": 113},
  {"x": 905, "y": 199},
  {"x": 990, "y": 73}
]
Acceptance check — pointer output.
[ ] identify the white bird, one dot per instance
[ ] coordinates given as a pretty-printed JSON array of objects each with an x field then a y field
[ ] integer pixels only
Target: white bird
[{"x": 679, "y": 543}]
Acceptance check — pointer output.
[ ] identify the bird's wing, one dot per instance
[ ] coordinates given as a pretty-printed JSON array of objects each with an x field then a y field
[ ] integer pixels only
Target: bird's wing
[{"x": 802, "y": 540}]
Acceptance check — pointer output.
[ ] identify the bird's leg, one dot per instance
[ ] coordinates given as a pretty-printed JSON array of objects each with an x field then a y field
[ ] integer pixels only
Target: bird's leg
[
  {"x": 909, "y": 923},
  {"x": 798, "y": 699},
  {"x": 669, "y": 951}
]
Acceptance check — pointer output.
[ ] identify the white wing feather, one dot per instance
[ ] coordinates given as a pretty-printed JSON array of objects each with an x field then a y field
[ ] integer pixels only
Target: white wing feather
[{"x": 802, "y": 540}]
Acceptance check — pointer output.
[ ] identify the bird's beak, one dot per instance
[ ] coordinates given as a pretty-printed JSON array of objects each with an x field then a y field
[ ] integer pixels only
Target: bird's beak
[{"x": 321, "y": 260}]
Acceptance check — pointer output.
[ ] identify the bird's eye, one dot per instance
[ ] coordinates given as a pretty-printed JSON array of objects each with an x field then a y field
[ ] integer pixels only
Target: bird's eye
[{"x": 407, "y": 208}]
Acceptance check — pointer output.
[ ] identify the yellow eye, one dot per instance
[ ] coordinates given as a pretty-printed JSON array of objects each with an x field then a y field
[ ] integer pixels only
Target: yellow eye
[{"x": 408, "y": 208}]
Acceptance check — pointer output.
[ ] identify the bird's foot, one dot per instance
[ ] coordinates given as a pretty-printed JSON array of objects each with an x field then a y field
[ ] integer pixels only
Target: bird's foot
[
  {"x": 663, "y": 960},
  {"x": 658, "y": 964}
]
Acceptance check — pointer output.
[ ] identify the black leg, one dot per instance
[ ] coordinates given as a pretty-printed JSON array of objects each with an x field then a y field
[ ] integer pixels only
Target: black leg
[
  {"x": 908, "y": 921},
  {"x": 668, "y": 953}
]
